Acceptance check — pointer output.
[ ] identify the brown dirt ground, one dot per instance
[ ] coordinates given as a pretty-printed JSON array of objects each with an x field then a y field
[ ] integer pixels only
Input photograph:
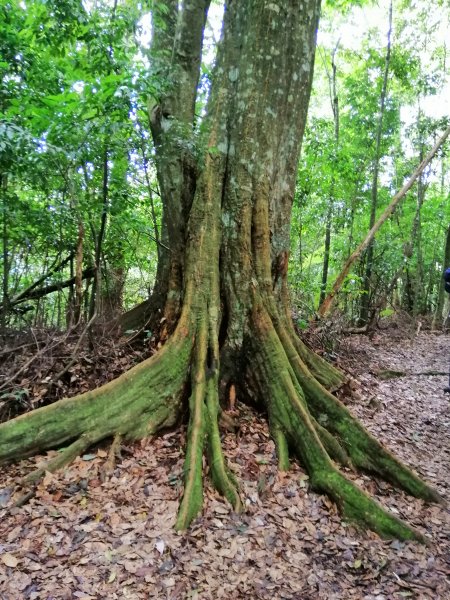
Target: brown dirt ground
[{"x": 83, "y": 538}]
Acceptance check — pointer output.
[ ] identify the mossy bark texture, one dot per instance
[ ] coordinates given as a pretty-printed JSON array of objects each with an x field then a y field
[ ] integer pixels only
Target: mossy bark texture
[{"x": 226, "y": 281}]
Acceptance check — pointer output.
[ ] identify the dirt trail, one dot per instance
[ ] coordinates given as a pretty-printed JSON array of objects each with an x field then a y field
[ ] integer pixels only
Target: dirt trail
[
  {"x": 80, "y": 537},
  {"x": 410, "y": 413}
]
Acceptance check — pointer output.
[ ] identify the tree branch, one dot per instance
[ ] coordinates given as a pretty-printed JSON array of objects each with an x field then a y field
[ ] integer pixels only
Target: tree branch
[{"x": 326, "y": 305}]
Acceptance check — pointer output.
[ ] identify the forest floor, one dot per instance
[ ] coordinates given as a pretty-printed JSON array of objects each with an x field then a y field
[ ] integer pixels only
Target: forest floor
[{"x": 81, "y": 537}]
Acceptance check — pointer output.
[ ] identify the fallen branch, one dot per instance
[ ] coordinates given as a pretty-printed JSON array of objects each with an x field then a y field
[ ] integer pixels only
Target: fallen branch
[
  {"x": 392, "y": 373},
  {"x": 25, "y": 294},
  {"x": 33, "y": 294}
]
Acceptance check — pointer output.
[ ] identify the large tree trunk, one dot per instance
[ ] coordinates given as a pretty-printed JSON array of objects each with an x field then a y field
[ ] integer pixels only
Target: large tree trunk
[{"x": 234, "y": 331}]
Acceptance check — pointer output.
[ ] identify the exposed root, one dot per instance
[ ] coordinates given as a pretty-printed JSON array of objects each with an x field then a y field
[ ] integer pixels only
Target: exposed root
[
  {"x": 360, "y": 508},
  {"x": 331, "y": 445},
  {"x": 113, "y": 454},
  {"x": 192, "y": 501},
  {"x": 363, "y": 450},
  {"x": 64, "y": 457},
  {"x": 288, "y": 384},
  {"x": 305, "y": 419},
  {"x": 142, "y": 400},
  {"x": 222, "y": 477},
  {"x": 328, "y": 376},
  {"x": 203, "y": 424},
  {"x": 281, "y": 447}
]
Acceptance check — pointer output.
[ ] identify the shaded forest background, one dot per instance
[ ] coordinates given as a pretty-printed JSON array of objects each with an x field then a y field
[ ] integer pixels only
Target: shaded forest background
[{"x": 80, "y": 207}]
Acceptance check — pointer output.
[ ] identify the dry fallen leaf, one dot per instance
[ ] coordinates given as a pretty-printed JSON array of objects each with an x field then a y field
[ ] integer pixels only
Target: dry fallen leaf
[
  {"x": 112, "y": 576},
  {"x": 9, "y": 560}
]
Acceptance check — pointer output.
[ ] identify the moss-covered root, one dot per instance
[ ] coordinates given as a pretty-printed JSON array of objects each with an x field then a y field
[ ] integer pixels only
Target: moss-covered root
[
  {"x": 360, "y": 508},
  {"x": 289, "y": 411},
  {"x": 221, "y": 476},
  {"x": 355, "y": 504},
  {"x": 203, "y": 425},
  {"x": 281, "y": 445},
  {"x": 329, "y": 376},
  {"x": 64, "y": 457},
  {"x": 192, "y": 501},
  {"x": 139, "y": 402},
  {"x": 113, "y": 454},
  {"x": 363, "y": 450}
]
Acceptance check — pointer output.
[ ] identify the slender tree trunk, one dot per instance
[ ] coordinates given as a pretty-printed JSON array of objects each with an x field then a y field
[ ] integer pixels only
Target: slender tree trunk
[
  {"x": 439, "y": 316},
  {"x": 113, "y": 288},
  {"x": 79, "y": 255},
  {"x": 31, "y": 291},
  {"x": 99, "y": 238},
  {"x": 326, "y": 254},
  {"x": 328, "y": 302},
  {"x": 5, "y": 253},
  {"x": 416, "y": 240},
  {"x": 329, "y": 218},
  {"x": 70, "y": 305},
  {"x": 365, "y": 298}
]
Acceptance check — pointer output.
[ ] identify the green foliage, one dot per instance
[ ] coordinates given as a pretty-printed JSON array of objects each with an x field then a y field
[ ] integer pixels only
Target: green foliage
[
  {"x": 75, "y": 86},
  {"x": 335, "y": 178},
  {"x": 73, "y": 89}
]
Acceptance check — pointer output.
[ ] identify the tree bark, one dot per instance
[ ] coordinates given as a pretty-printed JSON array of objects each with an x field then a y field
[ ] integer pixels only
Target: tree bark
[
  {"x": 234, "y": 331},
  {"x": 416, "y": 240},
  {"x": 95, "y": 299},
  {"x": 5, "y": 252},
  {"x": 79, "y": 253},
  {"x": 177, "y": 50}
]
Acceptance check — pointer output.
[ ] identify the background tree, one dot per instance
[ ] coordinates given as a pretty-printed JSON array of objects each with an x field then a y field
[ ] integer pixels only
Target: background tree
[
  {"x": 65, "y": 125},
  {"x": 359, "y": 80}
]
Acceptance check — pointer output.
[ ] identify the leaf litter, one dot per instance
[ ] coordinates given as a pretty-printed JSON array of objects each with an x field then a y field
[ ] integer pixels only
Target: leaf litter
[{"x": 86, "y": 537}]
